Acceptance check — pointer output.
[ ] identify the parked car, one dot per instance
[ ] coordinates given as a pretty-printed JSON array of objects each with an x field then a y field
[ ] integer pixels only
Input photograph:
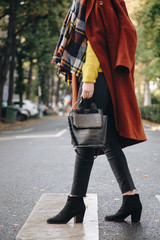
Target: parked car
[
  {"x": 28, "y": 106},
  {"x": 21, "y": 114}
]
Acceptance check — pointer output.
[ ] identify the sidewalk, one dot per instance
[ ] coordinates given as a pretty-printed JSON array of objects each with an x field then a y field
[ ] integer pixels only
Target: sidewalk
[
  {"x": 151, "y": 125},
  {"x": 21, "y": 124}
]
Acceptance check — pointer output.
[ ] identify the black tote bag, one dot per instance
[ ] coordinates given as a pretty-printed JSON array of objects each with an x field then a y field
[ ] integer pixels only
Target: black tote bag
[{"x": 88, "y": 126}]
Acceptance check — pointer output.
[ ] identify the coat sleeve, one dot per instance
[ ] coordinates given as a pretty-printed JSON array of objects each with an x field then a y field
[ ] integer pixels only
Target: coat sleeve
[
  {"x": 126, "y": 51},
  {"x": 127, "y": 41}
]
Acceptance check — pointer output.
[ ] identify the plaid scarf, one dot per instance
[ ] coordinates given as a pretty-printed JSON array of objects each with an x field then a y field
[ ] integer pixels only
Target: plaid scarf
[{"x": 71, "y": 48}]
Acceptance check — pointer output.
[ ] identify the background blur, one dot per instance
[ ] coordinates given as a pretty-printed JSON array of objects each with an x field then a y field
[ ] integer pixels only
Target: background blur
[{"x": 29, "y": 83}]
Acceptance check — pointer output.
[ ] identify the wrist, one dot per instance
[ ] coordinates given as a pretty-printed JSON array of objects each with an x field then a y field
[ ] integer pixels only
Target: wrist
[{"x": 91, "y": 82}]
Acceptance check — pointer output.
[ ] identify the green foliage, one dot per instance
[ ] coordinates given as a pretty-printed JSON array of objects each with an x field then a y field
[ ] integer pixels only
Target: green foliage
[
  {"x": 38, "y": 24},
  {"x": 151, "y": 113},
  {"x": 148, "y": 29},
  {"x": 154, "y": 99}
]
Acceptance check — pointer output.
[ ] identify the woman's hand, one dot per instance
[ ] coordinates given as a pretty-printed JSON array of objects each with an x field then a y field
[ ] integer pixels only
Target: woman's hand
[{"x": 87, "y": 90}]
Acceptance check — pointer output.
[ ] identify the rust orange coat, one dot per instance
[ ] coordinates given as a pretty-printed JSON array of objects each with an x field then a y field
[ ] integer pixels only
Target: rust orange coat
[{"x": 113, "y": 39}]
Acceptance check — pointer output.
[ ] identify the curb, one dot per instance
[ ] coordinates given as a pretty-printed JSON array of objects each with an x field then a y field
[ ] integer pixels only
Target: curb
[
  {"x": 19, "y": 125},
  {"x": 151, "y": 125}
]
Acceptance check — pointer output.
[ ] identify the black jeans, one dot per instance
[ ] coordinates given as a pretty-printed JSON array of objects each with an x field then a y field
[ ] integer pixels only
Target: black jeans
[{"x": 85, "y": 156}]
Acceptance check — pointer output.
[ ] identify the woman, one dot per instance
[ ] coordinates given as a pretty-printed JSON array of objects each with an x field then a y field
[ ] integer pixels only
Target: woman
[{"x": 99, "y": 36}]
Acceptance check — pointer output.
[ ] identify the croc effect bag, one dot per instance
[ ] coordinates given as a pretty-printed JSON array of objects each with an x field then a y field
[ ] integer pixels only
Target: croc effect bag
[{"x": 88, "y": 127}]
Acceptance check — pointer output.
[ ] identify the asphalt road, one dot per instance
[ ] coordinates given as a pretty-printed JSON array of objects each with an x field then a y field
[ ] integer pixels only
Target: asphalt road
[{"x": 39, "y": 159}]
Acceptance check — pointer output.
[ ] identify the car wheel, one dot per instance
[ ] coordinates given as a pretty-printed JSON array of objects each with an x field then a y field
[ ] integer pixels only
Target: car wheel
[{"x": 20, "y": 117}]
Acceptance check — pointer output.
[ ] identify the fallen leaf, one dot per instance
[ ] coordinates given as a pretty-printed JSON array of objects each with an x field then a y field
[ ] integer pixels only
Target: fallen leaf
[
  {"x": 42, "y": 190},
  {"x": 50, "y": 230},
  {"x": 1, "y": 226},
  {"x": 117, "y": 199},
  {"x": 25, "y": 206},
  {"x": 137, "y": 170},
  {"x": 16, "y": 224},
  {"x": 145, "y": 176},
  {"x": 157, "y": 220},
  {"x": 86, "y": 206}
]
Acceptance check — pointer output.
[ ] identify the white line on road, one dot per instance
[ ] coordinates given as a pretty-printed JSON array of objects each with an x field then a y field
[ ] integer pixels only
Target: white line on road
[{"x": 59, "y": 134}]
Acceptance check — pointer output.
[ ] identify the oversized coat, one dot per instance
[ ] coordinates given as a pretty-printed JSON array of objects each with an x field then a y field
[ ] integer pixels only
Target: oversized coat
[{"x": 113, "y": 39}]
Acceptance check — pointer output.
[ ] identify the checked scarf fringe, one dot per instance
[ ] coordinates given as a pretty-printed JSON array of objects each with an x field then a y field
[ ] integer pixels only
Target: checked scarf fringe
[{"x": 70, "y": 52}]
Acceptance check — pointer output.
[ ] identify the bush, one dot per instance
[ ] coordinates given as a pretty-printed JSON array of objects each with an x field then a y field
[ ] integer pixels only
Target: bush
[
  {"x": 154, "y": 99},
  {"x": 151, "y": 113}
]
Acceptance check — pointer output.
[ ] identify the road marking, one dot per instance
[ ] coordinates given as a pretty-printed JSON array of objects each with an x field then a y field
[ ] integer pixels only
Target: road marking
[
  {"x": 23, "y": 131},
  {"x": 59, "y": 134},
  {"x": 158, "y": 197},
  {"x": 47, "y": 206}
]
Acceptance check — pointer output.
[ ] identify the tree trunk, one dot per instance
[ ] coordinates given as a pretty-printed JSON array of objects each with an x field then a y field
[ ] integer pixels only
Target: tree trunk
[
  {"x": 21, "y": 99},
  {"x": 43, "y": 83},
  {"x": 11, "y": 76},
  {"x": 48, "y": 92},
  {"x": 57, "y": 90},
  {"x": 20, "y": 87},
  {"x": 47, "y": 85},
  {"x": 11, "y": 34},
  {"x": 52, "y": 86},
  {"x": 147, "y": 94},
  {"x": 30, "y": 79},
  {"x": 1, "y": 97}
]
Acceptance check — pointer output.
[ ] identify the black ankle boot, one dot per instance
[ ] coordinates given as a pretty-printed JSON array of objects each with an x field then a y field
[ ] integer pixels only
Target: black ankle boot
[
  {"x": 74, "y": 207},
  {"x": 131, "y": 206}
]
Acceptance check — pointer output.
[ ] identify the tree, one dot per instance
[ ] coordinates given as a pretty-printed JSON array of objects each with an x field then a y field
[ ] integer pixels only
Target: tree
[
  {"x": 20, "y": 86},
  {"x": 4, "y": 59},
  {"x": 25, "y": 19},
  {"x": 148, "y": 50}
]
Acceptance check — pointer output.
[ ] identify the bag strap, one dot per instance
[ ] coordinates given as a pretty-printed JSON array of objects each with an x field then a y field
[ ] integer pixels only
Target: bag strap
[{"x": 74, "y": 105}]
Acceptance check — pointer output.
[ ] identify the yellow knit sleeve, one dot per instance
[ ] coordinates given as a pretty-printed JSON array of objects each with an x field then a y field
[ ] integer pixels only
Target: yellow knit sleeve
[{"x": 91, "y": 66}]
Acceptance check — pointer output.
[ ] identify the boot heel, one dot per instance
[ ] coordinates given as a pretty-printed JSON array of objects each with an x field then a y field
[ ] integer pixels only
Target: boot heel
[
  {"x": 79, "y": 218},
  {"x": 136, "y": 216}
]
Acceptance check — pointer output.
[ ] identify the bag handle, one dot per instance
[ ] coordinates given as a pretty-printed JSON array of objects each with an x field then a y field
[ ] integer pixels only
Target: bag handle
[
  {"x": 74, "y": 105},
  {"x": 86, "y": 106}
]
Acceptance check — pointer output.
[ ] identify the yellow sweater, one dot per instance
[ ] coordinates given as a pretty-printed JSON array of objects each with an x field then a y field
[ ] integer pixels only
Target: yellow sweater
[{"x": 91, "y": 66}]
